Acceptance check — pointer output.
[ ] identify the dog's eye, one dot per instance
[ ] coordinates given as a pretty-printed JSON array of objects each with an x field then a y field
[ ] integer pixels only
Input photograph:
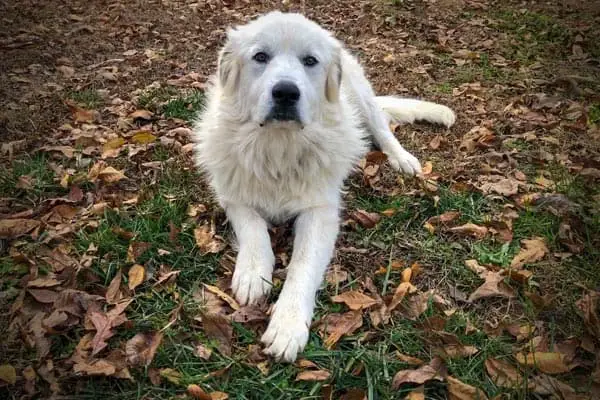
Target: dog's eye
[
  {"x": 309, "y": 61},
  {"x": 261, "y": 57}
]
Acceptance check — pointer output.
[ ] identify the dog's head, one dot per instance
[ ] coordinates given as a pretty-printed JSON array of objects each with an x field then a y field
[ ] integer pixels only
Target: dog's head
[{"x": 280, "y": 68}]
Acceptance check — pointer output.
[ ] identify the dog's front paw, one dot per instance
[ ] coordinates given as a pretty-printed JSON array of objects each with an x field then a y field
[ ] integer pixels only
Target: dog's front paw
[
  {"x": 251, "y": 280},
  {"x": 439, "y": 114},
  {"x": 287, "y": 334},
  {"x": 402, "y": 160}
]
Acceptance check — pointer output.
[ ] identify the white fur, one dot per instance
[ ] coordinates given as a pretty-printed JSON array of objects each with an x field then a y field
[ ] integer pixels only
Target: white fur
[{"x": 269, "y": 171}]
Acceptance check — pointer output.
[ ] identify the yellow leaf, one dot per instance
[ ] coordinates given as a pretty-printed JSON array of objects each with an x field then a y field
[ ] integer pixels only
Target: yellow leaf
[
  {"x": 113, "y": 144},
  {"x": 406, "y": 274},
  {"x": 136, "y": 275},
  {"x": 8, "y": 374},
  {"x": 110, "y": 175},
  {"x": 354, "y": 300},
  {"x": 223, "y": 296},
  {"x": 219, "y": 396},
  {"x": 171, "y": 375},
  {"x": 143, "y": 137}
]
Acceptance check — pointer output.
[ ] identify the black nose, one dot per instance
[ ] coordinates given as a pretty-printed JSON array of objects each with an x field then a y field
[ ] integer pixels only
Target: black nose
[{"x": 285, "y": 93}]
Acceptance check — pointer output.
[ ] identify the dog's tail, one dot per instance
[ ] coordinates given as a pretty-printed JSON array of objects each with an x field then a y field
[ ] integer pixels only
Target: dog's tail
[{"x": 406, "y": 111}]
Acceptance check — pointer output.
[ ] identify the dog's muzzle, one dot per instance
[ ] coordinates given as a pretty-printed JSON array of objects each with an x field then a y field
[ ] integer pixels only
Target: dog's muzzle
[{"x": 285, "y": 96}]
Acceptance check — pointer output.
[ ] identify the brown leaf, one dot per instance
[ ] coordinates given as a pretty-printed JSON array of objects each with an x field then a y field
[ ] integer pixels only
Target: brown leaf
[
  {"x": 418, "y": 304},
  {"x": 104, "y": 322},
  {"x": 206, "y": 240},
  {"x": 504, "y": 187},
  {"x": 400, "y": 293},
  {"x": 533, "y": 250},
  {"x": 588, "y": 305},
  {"x": 95, "y": 367},
  {"x": 219, "y": 396},
  {"x": 113, "y": 293},
  {"x": 141, "y": 114},
  {"x": 46, "y": 281},
  {"x": 80, "y": 114},
  {"x": 335, "y": 275},
  {"x": 458, "y": 350},
  {"x": 222, "y": 295},
  {"x": 8, "y": 374},
  {"x": 549, "y": 363},
  {"x": 445, "y": 218},
  {"x": 461, "y": 391},
  {"x": 141, "y": 348},
  {"x": 493, "y": 286},
  {"x": 435, "y": 370},
  {"x": 338, "y": 325},
  {"x": 136, "y": 276},
  {"x": 436, "y": 142},
  {"x": 313, "y": 375},
  {"x": 354, "y": 300},
  {"x": 14, "y": 228},
  {"x": 503, "y": 374},
  {"x": 248, "y": 314},
  {"x": 136, "y": 250},
  {"x": 43, "y": 295},
  {"x": 365, "y": 219},
  {"x": 110, "y": 175},
  {"x": 470, "y": 229},
  {"x": 409, "y": 359},
  {"x": 202, "y": 351},
  {"x": 219, "y": 328},
  {"x": 197, "y": 392}
]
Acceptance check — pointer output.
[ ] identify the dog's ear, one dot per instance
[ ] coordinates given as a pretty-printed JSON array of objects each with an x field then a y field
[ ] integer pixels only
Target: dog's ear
[
  {"x": 334, "y": 78},
  {"x": 228, "y": 69}
]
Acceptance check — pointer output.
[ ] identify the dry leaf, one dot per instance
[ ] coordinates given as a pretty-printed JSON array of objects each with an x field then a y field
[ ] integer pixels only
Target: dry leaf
[
  {"x": 549, "y": 363},
  {"x": 8, "y": 374},
  {"x": 435, "y": 370},
  {"x": 461, "y": 391},
  {"x": 504, "y": 187},
  {"x": 14, "y": 228},
  {"x": 338, "y": 325},
  {"x": 354, "y": 300},
  {"x": 313, "y": 375},
  {"x": 206, "y": 240},
  {"x": 219, "y": 328},
  {"x": 365, "y": 219},
  {"x": 470, "y": 229},
  {"x": 336, "y": 275},
  {"x": 141, "y": 114},
  {"x": 409, "y": 359},
  {"x": 171, "y": 375},
  {"x": 141, "y": 348},
  {"x": 202, "y": 351},
  {"x": 248, "y": 314},
  {"x": 222, "y": 295},
  {"x": 143, "y": 137},
  {"x": 493, "y": 286},
  {"x": 80, "y": 114},
  {"x": 113, "y": 293},
  {"x": 400, "y": 293},
  {"x": 459, "y": 350},
  {"x": 219, "y": 396},
  {"x": 533, "y": 250},
  {"x": 503, "y": 374},
  {"x": 588, "y": 305},
  {"x": 136, "y": 276},
  {"x": 197, "y": 392},
  {"x": 136, "y": 250},
  {"x": 110, "y": 175}
]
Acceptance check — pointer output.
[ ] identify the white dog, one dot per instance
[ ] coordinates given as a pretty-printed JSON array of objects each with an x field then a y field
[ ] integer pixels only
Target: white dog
[{"x": 287, "y": 119}]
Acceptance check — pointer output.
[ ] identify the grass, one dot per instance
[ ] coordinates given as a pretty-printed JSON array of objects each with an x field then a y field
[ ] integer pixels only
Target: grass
[
  {"x": 594, "y": 114},
  {"x": 172, "y": 103},
  {"x": 32, "y": 171},
  {"x": 88, "y": 98}
]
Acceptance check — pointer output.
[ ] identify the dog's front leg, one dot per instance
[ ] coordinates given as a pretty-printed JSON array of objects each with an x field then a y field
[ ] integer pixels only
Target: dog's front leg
[
  {"x": 315, "y": 234},
  {"x": 254, "y": 265}
]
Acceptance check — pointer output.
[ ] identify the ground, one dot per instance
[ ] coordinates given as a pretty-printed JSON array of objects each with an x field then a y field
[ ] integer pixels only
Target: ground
[{"x": 478, "y": 279}]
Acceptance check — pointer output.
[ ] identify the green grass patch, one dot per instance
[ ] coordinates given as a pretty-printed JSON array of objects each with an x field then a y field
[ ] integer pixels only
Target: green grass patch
[
  {"x": 88, "y": 98},
  {"x": 594, "y": 114},
  {"x": 29, "y": 175},
  {"x": 155, "y": 98},
  {"x": 185, "y": 107}
]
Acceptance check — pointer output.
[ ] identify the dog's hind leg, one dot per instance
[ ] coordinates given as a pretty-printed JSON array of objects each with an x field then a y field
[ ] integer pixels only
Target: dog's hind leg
[{"x": 377, "y": 112}]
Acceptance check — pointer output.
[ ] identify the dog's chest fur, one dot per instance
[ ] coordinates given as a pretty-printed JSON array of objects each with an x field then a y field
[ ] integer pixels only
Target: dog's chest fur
[{"x": 275, "y": 171}]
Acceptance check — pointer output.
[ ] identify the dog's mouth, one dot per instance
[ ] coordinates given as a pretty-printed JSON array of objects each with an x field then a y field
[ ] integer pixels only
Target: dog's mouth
[{"x": 283, "y": 114}]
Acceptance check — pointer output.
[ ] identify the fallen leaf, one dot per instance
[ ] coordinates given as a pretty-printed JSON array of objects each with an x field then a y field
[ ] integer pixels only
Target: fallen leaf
[
  {"x": 435, "y": 370},
  {"x": 365, "y": 219},
  {"x": 141, "y": 348},
  {"x": 43, "y": 295},
  {"x": 222, "y": 295},
  {"x": 504, "y": 187},
  {"x": 436, "y": 142},
  {"x": 338, "y": 325},
  {"x": 588, "y": 305},
  {"x": 219, "y": 396},
  {"x": 354, "y": 300},
  {"x": 503, "y": 374},
  {"x": 46, "y": 281},
  {"x": 95, "y": 367},
  {"x": 533, "y": 250},
  {"x": 419, "y": 303},
  {"x": 335, "y": 275},
  {"x": 8, "y": 374},
  {"x": 197, "y": 392},
  {"x": 461, "y": 391},
  {"x": 136, "y": 250},
  {"x": 110, "y": 175},
  {"x": 459, "y": 350},
  {"x": 470, "y": 229},
  {"x": 219, "y": 328},
  {"x": 80, "y": 114},
  {"x": 445, "y": 218},
  {"x": 202, "y": 351},
  {"x": 548, "y": 363},
  {"x": 400, "y": 293},
  {"x": 113, "y": 292},
  {"x": 143, "y": 137},
  {"x": 112, "y": 148},
  {"x": 206, "y": 240},
  {"x": 171, "y": 375},
  {"x": 409, "y": 359},
  {"x": 493, "y": 286},
  {"x": 14, "y": 228},
  {"x": 313, "y": 375},
  {"x": 141, "y": 114}
]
